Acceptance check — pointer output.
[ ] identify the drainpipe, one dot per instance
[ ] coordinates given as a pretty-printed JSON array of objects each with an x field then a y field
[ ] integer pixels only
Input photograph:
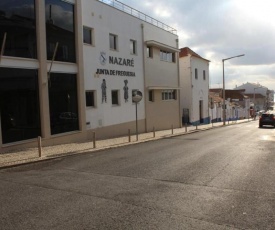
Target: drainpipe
[
  {"x": 144, "y": 78},
  {"x": 179, "y": 93},
  {"x": 192, "y": 102}
]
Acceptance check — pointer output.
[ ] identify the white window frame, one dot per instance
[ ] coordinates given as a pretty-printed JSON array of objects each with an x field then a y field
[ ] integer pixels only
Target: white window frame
[
  {"x": 169, "y": 94},
  {"x": 133, "y": 46},
  {"x": 94, "y": 98},
  {"x": 149, "y": 51},
  {"x": 113, "y": 42},
  {"x": 91, "y": 35},
  {"x": 167, "y": 56},
  {"x": 118, "y": 97}
]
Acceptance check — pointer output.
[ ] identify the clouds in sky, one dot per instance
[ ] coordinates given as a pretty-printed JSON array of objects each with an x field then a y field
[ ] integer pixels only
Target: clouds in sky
[{"x": 218, "y": 29}]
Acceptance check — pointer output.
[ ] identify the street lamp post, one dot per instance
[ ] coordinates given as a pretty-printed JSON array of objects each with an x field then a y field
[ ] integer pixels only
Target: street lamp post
[{"x": 223, "y": 95}]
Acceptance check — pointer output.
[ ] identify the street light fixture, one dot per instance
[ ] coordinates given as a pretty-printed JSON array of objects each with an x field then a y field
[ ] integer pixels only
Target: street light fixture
[{"x": 241, "y": 55}]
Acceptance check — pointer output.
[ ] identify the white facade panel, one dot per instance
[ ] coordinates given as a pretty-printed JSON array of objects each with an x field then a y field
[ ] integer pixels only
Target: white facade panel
[
  {"x": 194, "y": 77},
  {"x": 105, "y": 20}
]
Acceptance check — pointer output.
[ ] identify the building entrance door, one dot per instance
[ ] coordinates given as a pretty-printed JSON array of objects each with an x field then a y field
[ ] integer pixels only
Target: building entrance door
[{"x": 201, "y": 111}]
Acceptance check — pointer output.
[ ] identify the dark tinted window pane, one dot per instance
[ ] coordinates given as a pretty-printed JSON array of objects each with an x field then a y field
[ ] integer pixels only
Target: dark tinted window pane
[
  {"x": 115, "y": 97},
  {"x": 90, "y": 101},
  {"x": 63, "y": 103},
  {"x": 87, "y": 35},
  {"x": 151, "y": 95},
  {"x": 60, "y": 28},
  {"x": 19, "y": 104},
  {"x": 112, "y": 41},
  {"x": 17, "y": 20}
]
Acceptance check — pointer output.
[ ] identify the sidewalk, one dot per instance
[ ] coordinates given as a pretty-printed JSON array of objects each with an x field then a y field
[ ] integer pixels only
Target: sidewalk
[{"x": 50, "y": 152}]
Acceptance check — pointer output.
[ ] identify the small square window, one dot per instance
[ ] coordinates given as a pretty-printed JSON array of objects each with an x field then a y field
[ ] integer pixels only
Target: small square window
[
  {"x": 149, "y": 52},
  {"x": 113, "y": 41},
  {"x": 133, "y": 46},
  {"x": 87, "y": 35},
  {"x": 90, "y": 99},
  {"x": 115, "y": 97},
  {"x": 151, "y": 95}
]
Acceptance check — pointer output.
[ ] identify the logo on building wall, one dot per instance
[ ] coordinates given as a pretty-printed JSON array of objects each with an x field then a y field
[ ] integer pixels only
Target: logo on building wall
[{"x": 103, "y": 58}]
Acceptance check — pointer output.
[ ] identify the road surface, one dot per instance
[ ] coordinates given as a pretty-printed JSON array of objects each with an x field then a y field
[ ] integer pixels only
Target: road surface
[{"x": 223, "y": 178}]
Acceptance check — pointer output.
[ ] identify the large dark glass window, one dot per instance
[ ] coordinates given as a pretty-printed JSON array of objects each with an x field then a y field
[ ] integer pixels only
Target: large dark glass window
[
  {"x": 63, "y": 103},
  {"x": 19, "y": 104},
  {"x": 17, "y": 20},
  {"x": 60, "y": 29}
]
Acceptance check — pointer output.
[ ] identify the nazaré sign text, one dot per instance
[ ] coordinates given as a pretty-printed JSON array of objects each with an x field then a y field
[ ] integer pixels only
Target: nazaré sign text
[
  {"x": 115, "y": 61},
  {"x": 121, "y": 61}
]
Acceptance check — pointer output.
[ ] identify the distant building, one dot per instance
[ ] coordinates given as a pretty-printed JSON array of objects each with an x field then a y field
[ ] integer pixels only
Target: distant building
[
  {"x": 237, "y": 104},
  {"x": 194, "y": 81},
  {"x": 261, "y": 98}
]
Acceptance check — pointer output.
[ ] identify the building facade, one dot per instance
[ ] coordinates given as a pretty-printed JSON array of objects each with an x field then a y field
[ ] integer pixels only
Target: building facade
[
  {"x": 194, "y": 78},
  {"x": 237, "y": 105},
  {"x": 261, "y": 98},
  {"x": 68, "y": 68}
]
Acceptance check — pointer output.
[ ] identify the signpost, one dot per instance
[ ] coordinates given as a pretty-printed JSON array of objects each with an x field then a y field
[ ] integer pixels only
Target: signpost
[{"x": 136, "y": 98}]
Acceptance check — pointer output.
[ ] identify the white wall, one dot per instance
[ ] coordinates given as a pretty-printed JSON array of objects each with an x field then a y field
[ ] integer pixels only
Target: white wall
[
  {"x": 194, "y": 90},
  {"x": 105, "y": 20}
]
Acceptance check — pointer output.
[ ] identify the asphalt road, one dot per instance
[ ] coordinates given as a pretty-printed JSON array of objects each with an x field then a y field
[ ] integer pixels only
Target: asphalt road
[{"x": 222, "y": 178}]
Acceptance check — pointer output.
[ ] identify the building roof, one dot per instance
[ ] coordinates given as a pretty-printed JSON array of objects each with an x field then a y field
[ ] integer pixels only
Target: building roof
[
  {"x": 184, "y": 52},
  {"x": 230, "y": 93},
  {"x": 257, "y": 95}
]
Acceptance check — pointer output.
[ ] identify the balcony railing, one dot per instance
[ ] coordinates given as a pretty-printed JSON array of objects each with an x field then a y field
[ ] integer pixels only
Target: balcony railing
[{"x": 129, "y": 10}]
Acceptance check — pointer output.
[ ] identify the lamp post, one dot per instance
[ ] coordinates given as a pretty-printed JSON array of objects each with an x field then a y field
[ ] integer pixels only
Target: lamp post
[{"x": 223, "y": 60}]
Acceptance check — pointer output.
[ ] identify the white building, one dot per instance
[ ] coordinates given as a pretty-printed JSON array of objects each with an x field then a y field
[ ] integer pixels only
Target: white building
[
  {"x": 194, "y": 81},
  {"x": 69, "y": 68},
  {"x": 129, "y": 54}
]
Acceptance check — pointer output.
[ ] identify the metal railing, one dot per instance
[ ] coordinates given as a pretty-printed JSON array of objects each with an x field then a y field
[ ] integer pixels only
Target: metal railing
[{"x": 129, "y": 10}]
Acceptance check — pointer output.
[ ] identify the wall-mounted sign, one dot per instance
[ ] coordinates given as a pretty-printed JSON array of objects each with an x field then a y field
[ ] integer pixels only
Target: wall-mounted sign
[
  {"x": 115, "y": 72},
  {"x": 103, "y": 58}
]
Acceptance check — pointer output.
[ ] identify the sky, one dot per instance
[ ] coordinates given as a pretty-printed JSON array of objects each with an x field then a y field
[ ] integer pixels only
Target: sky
[{"x": 219, "y": 29}]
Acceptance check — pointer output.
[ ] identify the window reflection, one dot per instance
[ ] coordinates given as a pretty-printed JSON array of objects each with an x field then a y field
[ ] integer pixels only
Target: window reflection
[
  {"x": 60, "y": 28},
  {"x": 17, "y": 20},
  {"x": 19, "y": 104},
  {"x": 63, "y": 103}
]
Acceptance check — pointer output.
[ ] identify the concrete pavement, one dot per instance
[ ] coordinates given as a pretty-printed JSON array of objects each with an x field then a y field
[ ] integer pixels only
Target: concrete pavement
[{"x": 29, "y": 155}]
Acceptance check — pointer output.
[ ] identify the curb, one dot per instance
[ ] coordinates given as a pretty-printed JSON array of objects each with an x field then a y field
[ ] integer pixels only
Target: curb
[{"x": 13, "y": 164}]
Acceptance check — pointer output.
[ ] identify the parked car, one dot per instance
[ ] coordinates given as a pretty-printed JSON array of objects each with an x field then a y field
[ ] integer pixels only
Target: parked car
[{"x": 267, "y": 118}]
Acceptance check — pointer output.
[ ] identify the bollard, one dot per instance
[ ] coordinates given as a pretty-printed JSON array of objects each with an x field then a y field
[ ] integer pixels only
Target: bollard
[
  {"x": 94, "y": 140},
  {"x": 154, "y": 132},
  {"x": 39, "y": 146},
  {"x": 186, "y": 127},
  {"x": 196, "y": 126},
  {"x": 172, "y": 129},
  {"x": 129, "y": 135}
]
